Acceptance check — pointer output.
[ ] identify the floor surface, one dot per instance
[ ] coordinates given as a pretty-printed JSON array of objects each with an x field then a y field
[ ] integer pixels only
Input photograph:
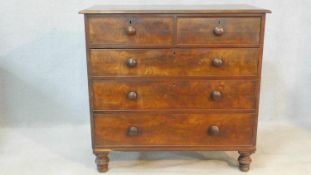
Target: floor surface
[{"x": 282, "y": 148}]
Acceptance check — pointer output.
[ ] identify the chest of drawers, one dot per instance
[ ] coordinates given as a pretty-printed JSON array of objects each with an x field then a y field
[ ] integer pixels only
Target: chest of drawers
[{"x": 174, "y": 78}]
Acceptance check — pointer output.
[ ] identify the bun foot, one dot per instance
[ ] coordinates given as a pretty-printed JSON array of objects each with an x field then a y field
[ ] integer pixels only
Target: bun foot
[
  {"x": 102, "y": 161},
  {"x": 244, "y": 168},
  {"x": 244, "y": 160}
]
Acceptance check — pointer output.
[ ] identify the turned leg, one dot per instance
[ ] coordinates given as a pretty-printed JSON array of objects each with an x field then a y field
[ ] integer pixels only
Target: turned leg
[
  {"x": 102, "y": 161},
  {"x": 244, "y": 160}
]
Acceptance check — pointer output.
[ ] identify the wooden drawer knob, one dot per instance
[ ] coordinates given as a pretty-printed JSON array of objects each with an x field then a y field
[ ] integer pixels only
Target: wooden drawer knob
[
  {"x": 218, "y": 31},
  {"x": 132, "y": 131},
  {"x": 131, "y": 62},
  {"x": 217, "y": 62},
  {"x": 131, "y": 30},
  {"x": 216, "y": 95},
  {"x": 132, "y": 95},
  {"x": 213, "y": 130}
]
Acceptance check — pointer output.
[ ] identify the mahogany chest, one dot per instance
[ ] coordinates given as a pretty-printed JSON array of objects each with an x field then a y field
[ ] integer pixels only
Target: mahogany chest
[{"x": 174, "y": 78}]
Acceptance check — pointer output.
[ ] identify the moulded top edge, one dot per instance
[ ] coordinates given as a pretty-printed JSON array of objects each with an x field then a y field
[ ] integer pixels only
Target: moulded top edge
[{"x": 235, "y": 8}]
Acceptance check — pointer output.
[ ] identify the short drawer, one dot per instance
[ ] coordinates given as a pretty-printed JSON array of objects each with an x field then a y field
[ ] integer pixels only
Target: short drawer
[
  {"x": 122, "y": 94},
  {"x": 214, "y": 30},
  {"x": 137, "y": 129},
  {"x": 130, "y": 30},
  {"x": 178, "y": 62}
]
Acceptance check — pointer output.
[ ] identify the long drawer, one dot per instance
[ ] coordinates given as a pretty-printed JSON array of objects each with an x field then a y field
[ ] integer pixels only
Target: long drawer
[
  {"x": 136, "y": 129},
  {"x": 174, "y": 62},
  {"x": 120, "y": 94}
]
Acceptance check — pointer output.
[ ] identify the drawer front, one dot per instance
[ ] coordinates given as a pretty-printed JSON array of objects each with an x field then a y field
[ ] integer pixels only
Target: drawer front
[
  {"x": 137, "y": 129},
  {"x": 178, "y": 62},
  {"x": 173, "y": 94},
  {"x": 223, "y": 30},
  {"x": 122, "y": 30}
]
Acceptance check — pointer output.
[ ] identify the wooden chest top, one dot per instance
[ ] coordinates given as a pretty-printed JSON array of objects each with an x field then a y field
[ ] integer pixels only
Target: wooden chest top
[{"x": 173, "y": 9}]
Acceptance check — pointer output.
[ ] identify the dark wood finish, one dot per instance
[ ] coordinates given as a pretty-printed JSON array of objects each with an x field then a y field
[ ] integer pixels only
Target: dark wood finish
[
  {"x": 224, "y": 30},
  {"x": 174, "y": 62},
  {"x": 131, "y": 62},
  {"x": 135, "y": 30},
  {"x": 216, "y": 95},
  {"x": 219, "y": 30},
  {"x": 132, "y": 95},
  {"x": 245, "y": 160},
  {"x": 174, "y": 94},
  {"x": 218, "y": 62},
  {"x": 131, "y": 30},
  {"x": 174, "y": 78},
  {"x": 130, "y": 130},
  {"x": 213, "y": 130},
  {"x": 102, "y": 161}
]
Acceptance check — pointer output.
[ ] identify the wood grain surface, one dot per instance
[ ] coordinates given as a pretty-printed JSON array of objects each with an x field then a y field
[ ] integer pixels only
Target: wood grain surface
[
  {"x": 174, "y": 78},
  {"x": 173, "y": 94},
  {"x": 174, "y": 62},
  {"x": 200, "y": 30},
  {"x": 172, "y": 129},
  {"x": 113, "y": 30}
]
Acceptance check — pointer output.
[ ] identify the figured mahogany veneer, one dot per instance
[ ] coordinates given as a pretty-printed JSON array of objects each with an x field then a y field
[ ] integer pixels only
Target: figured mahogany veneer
[
  {"x": 173, "y": 94},
  {"x": 218, "y": 30},
  {"x": 174, "y": 62},
  {"x": 114, "y": 130},
  {"x": 174, "y": 78},
  {"x": 130, "y": 30}
]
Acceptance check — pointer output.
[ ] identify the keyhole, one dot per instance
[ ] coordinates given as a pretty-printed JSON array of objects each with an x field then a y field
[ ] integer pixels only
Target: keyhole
[
  {"x": 130, "y": 21},
  {"x": 218, "y": 21}
]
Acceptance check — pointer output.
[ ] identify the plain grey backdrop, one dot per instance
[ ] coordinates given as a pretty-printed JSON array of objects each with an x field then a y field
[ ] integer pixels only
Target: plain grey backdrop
[
  {"x": 44, "y": 117},
  {"x": 43, "y": 69}
]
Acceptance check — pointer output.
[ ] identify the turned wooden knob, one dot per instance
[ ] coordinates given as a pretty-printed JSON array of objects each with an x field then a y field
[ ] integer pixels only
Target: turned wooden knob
[
  {"x": 132, "y": 131},
  {"x": 219, "y": 30},
  {"x": 132, "y": 95},
  {"x": 213, "y": 130},
  {"x": 131, "y": 30},
  {"x": 131, "y": 62},
  {"x": 217, "y": 62},
  {"x": 216, "y": 95}
]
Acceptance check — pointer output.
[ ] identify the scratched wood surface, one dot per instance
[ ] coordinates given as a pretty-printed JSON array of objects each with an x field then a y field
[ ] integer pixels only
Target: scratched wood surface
[
  {"x": 114, "y": 30},
  {"x": 173, "y": 129},
  {"x": 178, "y": 94},
  {"x": 174, "y": 62},
  {"x": 174, "y": 78}
]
